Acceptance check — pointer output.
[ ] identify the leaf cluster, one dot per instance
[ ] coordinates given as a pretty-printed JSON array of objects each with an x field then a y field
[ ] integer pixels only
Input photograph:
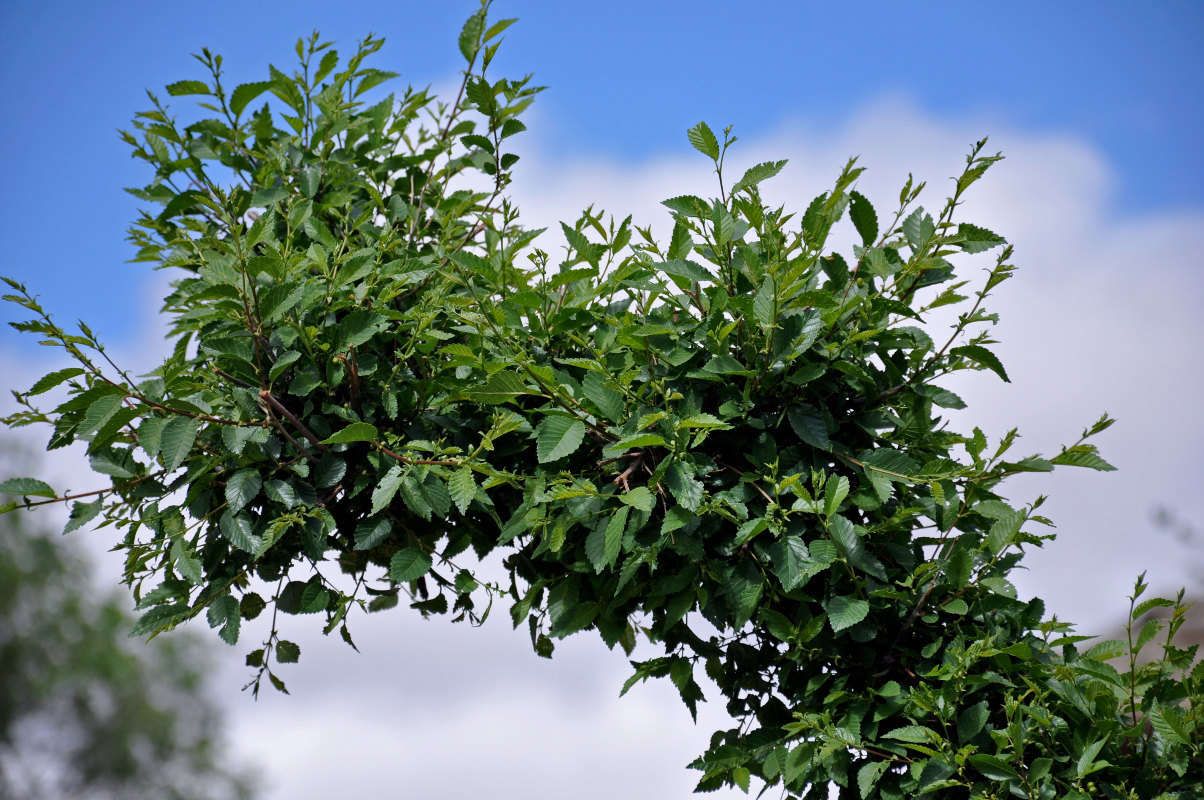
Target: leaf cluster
[{"x": 732, "y": 444}]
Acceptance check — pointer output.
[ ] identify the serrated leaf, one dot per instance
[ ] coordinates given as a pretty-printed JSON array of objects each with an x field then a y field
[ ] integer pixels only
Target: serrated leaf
[
  {"x": 1082, "y": 455},
  {"x": 640, "y": 498},
  {"x": 176, "y": 440},
  {"x": 500, "y": 388},
  {"x": 279, "y": 491},
  {"x": 756, "y": 174},
  {"x": 371, "y": 532},
  {"x": 704, "y": 140},
  {"x": 287, "y": 652},
  {"x": 684, "y": 487},
  {"x": 633, "y": 443},
  {"x": 865, "y": 220},
  {"x": 974, "y": 239},
  {"x": 463, "y": 488},
  {"x": 808, "y": 424},
  {"x": 99, "y": 413},
  {"x": 844, "y": 612},
  {"x": 384, "y": 492},
  {"x": 603, "y": 544},
  {"x": 972, "y": 720},
  {"x": 245, "y": 93},
  {"x": 355, "y": 432},
  {"x": 792, "y": 562},
  {"x": 980, "y": 355},
  {"x": 835, "y": 492},
  {"x": 994, "y": 768},
  {"x": 239, "y": 530},
  {"x": 82, "y": 514},
  {"x": 765, "y": 303},
  {"x": 685, "y": 269},
  {"x": 409, "y": 564},
  {"x": 48, "y": 382},
  {"x": 868, "y": 775},
  {"x": 31, "y": 487},
  {"x": 609, "y": 401},
  {"x": 242, "y": 487},
  {"x": 557, "y": 437},
  {"x": 180, "y": 88},
  {"x": 915, "y": 734}
]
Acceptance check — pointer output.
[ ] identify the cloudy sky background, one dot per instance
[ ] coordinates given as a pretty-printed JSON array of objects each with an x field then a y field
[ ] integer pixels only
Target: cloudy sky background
[{"x": 1097, "y": 107}]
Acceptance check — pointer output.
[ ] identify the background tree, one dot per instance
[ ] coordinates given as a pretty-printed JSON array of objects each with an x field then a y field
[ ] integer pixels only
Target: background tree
[
  {"x": 740, "y": 427},
  {"x": 84, "y": 711}
]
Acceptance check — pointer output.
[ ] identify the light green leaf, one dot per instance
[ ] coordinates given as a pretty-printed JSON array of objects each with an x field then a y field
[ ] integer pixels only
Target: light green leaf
[
  {"x": 765, "y": 303},
  {"x": 409, "y": 564},
  {"x": 176, "y": 440},
  {"x": 633, "y": 443},
  {"x": 355, "y": 432},
  {"x": 463, "y": 488},
  {"x": 640, "y": 498},
  {"x": 245, "y": 93},
  {"x": 868, "y": 775},
  {"x": 835, "y": 491},
  {"x": 1082, "y": 455},
  {"x": 844, "y": 612},
  {"x": 48, "y": 382},
  {"x": 187, "y": 87},
  {"x": 916, "y": 734},
  {"x": 704, "y": 140},
  {"x": 756, "y": 174},
  {"x": 500, "y": 388}
]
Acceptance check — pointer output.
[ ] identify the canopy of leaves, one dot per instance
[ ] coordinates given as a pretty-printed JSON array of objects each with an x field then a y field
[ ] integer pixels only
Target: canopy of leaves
[{"x": 375, "y": 370}]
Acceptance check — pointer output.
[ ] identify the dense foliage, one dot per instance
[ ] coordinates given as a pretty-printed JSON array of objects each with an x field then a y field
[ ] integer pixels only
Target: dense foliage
[
  {"x": 85, "y": 712},
  {"x": 739, "y": 429}
]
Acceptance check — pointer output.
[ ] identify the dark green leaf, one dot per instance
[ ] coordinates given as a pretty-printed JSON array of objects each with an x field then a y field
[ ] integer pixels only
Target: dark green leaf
[
  {"x": 27, "y": 486},
  {"x": 558, "y": 437},
  {"x": 864, "y": 218},
  {"x": 176, "y": 439},
  {"x": 355, "y": 432},
  {"x": 844, "y": 612},
  {"x": 187, "y": 87},
  {"x": 409, "y": 564},
  {"x": 980, "y": 355}
]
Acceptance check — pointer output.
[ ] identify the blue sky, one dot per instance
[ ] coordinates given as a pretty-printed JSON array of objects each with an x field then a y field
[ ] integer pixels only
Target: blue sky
[
  {"x": 625, "y": 79},
  {"x": 1097, "y": 106}
]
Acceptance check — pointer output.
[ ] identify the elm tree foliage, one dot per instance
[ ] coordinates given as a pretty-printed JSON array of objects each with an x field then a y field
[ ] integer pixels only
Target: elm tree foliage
[{"x": 732, "y": 443}]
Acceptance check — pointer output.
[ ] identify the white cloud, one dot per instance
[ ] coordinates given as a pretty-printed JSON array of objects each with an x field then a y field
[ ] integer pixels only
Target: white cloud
[{"x": 1101, "y": 316}]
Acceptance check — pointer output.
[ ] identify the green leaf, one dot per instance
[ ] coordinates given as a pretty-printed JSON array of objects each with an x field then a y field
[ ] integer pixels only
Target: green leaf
[
  {"x": 974, "y": 239},
  {"x": 279, "y": 491},
  {"x": 48, "y": 382},
  {"x": 684, "y": 487},
  {"x": 287, "y": 652},
  {"x": 972, "y": 720},
  {"x": 760, "y": 172},
  {"x": 384, "y": 492},
  {"x": 557, "y": 437},
  {"x": 808, "y": 424},
  {"x": 309, "y": 179},
  {"x": 835, "y": 492},
  {"x": 765, "y": 303},
  {"x": 176, "y": 440},
  {"x": 82, "y": 514},
  {"x": 500, "y": 388},
  {"x": 355, "y": 432},
  {"x": 980, "y": 355},
  {"x": 239, "y": 530},
  {"x": 704, "y": 140},
  {"x": 242, "y": 487},
  {"x": 27, "y": 486},
  {"x": 188, "y": 87},
  {"x": 633, "y": 443},
  {"x": 868, "y": 775},
  {"x": 603, "y": 544},
  {"x": 844, "y": 612},
  {"x": 685, "y": 269},
  {"x": 463, "y": 488},
  {"x": 371, "y": 532},
  {"x": 994, "y": 768},
  {"x": 609, "y": 401},
  {"x": 640, "y": 498},
  {"x": 470, "y": 35},
  {"x": 409, "y": 564},
  {"x": 864, "y": 218},
  {"x": 245, "y": 93},
  {"x": 916, "y": 734},
  {"x": 1082, "y": 455},
  {"x": 224, "y": 612},
  {"x": 792, "y": 562}
]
